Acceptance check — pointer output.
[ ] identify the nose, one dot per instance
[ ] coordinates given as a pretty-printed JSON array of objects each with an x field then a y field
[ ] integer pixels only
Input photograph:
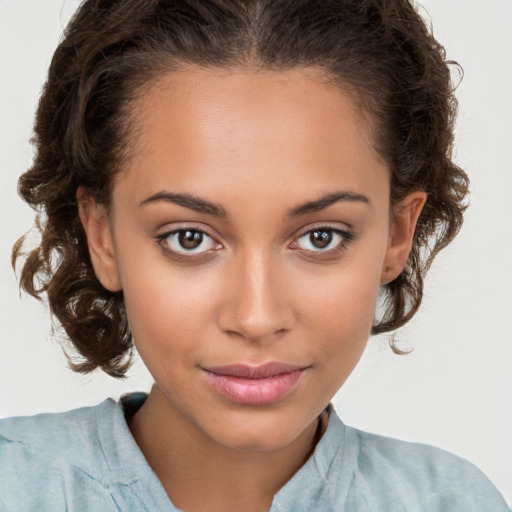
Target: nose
[{"x": 257, "y": 305}]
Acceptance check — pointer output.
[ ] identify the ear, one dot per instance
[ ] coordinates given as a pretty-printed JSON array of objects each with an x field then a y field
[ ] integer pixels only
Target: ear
[
  {"x": 405, "y": 216},
  {"x": 94, "y": 220}
]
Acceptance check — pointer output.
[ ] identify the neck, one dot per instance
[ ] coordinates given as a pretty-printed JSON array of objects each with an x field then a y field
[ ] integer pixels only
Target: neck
[{"x": 197, "y": 471}]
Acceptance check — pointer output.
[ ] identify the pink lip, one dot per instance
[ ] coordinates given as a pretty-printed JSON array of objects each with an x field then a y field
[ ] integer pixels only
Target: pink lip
[{"x": 254, "y": 385}]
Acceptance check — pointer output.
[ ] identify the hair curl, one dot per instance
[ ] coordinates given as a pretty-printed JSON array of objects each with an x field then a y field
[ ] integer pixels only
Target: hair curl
[{"x": 111, "y": 49}]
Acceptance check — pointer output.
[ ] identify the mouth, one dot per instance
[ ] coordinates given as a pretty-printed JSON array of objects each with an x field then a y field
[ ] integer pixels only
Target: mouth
[{"x": 254, "y": 385}]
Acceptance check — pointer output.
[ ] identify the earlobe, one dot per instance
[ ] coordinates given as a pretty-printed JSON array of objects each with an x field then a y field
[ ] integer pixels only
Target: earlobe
[
  {"x": 94, "y": 220},
  {"x": 405, "y": 217}
]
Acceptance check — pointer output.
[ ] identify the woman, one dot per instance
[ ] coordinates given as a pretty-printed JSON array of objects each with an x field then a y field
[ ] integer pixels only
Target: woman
[{"x": 230, "y": 186}]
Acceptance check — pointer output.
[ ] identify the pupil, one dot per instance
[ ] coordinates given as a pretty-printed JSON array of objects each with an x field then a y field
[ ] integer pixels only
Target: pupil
[
  {"x": 190, "y": 239},
  {"x": 320, "y": 239}
]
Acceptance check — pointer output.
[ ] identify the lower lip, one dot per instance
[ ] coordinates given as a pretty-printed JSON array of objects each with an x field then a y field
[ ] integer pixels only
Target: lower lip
[{"x": 255, "y": 391}]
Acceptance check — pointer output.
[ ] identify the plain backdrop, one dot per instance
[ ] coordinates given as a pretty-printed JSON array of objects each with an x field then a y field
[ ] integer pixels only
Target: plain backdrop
[{"x": 454, "y": 390}]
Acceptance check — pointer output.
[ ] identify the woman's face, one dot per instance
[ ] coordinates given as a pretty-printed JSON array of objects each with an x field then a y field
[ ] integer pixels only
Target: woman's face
[{"x": 249, "y": 232}]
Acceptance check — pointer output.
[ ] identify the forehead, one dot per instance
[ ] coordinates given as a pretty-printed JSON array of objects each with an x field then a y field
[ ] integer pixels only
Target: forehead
[
  {"x": 205, "y": 102},
  {"x": 248, "y": 126}
]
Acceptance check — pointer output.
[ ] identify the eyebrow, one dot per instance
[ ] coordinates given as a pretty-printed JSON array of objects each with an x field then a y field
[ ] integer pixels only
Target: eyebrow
[
  {"x": 188, "y": 201},
  {"x": 204, "y": 206},
  {"x": 326, "y": 201}
]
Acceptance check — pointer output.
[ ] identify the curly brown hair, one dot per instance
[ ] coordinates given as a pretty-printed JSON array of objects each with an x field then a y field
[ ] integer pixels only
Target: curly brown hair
[{"x": 113, "y": 49}]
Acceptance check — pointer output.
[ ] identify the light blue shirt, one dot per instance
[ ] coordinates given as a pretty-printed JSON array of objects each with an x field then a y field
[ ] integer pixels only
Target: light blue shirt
[{"x": 87, "y": 460}]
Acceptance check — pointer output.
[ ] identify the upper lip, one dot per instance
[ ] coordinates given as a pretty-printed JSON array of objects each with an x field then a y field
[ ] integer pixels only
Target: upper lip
[{"x": 248, "y": 371}]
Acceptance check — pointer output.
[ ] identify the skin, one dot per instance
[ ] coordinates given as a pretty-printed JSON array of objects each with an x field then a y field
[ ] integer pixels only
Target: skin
[{"x": 259, "y": 145}]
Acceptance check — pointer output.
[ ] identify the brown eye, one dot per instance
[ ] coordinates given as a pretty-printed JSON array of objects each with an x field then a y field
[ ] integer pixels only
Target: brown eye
[
  {"x": 187, "y": 242},
  {"x": 320, "y": 238},
  {"x": 189, "y": 239},
  {"x": 323, "y": 240}
]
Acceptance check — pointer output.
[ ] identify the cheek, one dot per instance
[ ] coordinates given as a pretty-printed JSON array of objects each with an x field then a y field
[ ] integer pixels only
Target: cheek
[
  {"x": 167, "y": 306},
  {"x": 346, "y": 325},
  {"x": 339, "y": 311},
  {"x": 345, "y": 296},
  {"x": 344, "y": 317}
]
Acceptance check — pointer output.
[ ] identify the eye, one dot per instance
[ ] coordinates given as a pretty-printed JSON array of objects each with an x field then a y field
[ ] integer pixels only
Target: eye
[
  {"x": 187, "y": 241},
  {"x": 323, "y": 239}
]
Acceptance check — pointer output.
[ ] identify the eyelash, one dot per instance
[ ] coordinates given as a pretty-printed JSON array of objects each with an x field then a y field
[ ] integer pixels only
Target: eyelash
[
  {"x": 345, "y": 239},
  {"x": 162, "y": 240},
  {"x": 184, "y": 255}
]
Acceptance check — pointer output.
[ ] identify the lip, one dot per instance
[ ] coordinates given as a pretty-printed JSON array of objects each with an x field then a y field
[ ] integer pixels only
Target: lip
[{"x": 254, "y": 385}]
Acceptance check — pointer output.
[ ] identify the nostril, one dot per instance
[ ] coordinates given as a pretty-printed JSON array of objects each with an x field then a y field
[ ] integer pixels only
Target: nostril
[
  {"x": 234, "y": 334},
  {"x": 256, "y": 335}
]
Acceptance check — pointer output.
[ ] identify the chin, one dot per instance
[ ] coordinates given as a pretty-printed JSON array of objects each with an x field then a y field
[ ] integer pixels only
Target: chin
[{"x": 252, "y": 434}]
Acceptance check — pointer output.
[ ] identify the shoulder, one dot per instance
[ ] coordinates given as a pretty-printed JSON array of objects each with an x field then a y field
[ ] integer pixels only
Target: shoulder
[
  {"x": 419, "y": 477},
  {"x": 365, "y": 472},
  {"x": 55, "y": 435},
  {"x": 39, "y": 454},
  {"x": 403, "y": 457}
]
